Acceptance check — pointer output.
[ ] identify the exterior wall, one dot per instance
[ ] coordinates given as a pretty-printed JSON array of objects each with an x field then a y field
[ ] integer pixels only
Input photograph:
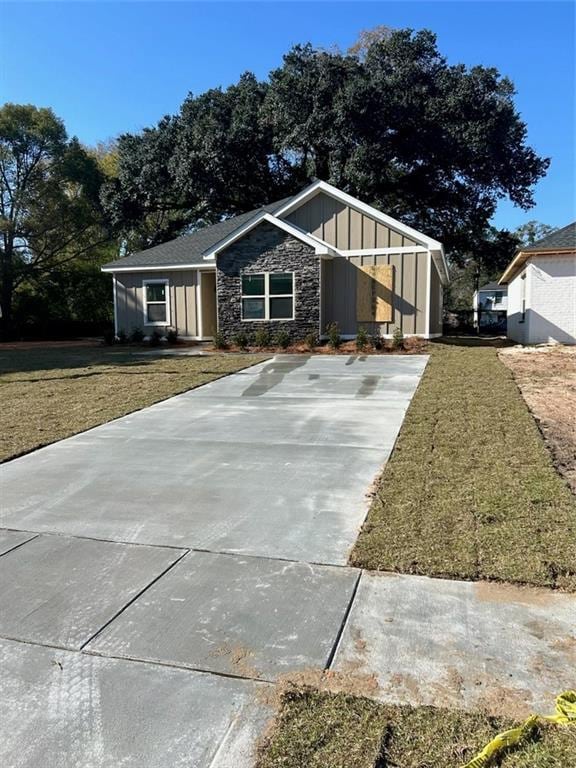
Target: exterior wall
[
  {"x": 552, "y": 307},
  {"x": 344, "y": 227},
  {"x": 517, "y": 326},
  {"x": 267, "y": 248},
  {"x": 436, "y": 300},
  {"x": 208, "y": 303},
  {"x": 488, "y": 302},
  {"x": 409, "y": 289},
  {"x": 182, "y": 292}
]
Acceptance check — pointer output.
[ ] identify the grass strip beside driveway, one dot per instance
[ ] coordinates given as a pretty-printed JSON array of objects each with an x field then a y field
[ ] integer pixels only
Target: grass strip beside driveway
[
  {"x": 317, "y": 729},
  {"x": 470, "y": 490},
  {"x": 50, "y": 394}
]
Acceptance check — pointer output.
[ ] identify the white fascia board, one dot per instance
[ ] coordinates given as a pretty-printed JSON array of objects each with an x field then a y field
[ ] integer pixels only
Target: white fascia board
[
  {"x": 159, "y": 268},
  {"x": 320, "y": 247},
  {"x": 344, "y": 197}
]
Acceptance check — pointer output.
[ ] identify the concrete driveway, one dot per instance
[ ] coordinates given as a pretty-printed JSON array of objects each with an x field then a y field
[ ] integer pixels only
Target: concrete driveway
[{"x": 159, "y": 572}]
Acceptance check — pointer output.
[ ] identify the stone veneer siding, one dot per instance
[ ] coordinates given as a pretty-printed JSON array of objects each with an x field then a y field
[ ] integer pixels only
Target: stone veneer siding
[{"x": 267, "y": 248}]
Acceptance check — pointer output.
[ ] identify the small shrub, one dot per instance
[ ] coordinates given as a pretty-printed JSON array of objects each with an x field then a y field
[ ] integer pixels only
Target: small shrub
[
  {"x": 333, "y": 333},
  {"x": 172, "y": 336},
  {"x": 262, "y": 337},
  {"x": 377, "y": 341},
  {"x": 220, "y": 340},
  {"x": 282, "y": 339},
  {"x": 122, "y": 336},
  {"x": 155, "y": 339},
  {"x": 136, "y": 336},
  {"x": 311, "y": 340},
  {"x": 240, "y": 339},
  {"x": 397, "y": 338},
  {"x": 109, "y": 338},
  {"x": 361, "y": 339}
]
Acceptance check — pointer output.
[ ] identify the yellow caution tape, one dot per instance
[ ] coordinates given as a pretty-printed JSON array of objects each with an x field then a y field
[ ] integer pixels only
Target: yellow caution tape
[{"x": 565, "y": 715}]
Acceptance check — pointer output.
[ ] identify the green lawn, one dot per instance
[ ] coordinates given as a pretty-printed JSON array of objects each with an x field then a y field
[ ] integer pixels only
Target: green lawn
[
  {"x": 470, "y": 490},
  {"x": 49, "y": 394},
  {"x": 324, "y": 730}
]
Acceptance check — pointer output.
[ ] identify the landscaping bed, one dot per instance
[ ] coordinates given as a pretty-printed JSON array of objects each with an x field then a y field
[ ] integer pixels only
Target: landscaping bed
[
  {"x": 317, "y": 729},
  {"x": 546, "y": 377},
  {"x": 52, "y": 392},
  {"x": 470, "y": 490}
]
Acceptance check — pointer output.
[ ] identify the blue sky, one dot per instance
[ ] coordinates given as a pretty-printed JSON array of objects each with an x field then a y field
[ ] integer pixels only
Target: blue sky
[{"x": 111, "y": 67}]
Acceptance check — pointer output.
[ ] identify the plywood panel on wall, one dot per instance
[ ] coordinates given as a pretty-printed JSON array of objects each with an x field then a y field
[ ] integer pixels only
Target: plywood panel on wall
[{"x": 374, "y": 293}]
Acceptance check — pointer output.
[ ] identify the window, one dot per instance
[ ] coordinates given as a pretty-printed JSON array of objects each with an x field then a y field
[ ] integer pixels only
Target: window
[
  {"x": 498, "y": 297},
  {"x": 156, "y": 302},
  {"x": 268, "y": 296}
]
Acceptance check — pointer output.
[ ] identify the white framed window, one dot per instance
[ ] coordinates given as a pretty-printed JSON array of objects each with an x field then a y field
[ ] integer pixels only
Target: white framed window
[
  {"x": 268, "y": 296},
  {"x": 156, "y": 302}
]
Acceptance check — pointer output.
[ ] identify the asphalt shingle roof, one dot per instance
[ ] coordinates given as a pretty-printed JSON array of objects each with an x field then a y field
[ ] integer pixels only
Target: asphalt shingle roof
[
  {"x": 490, "y": 287},
  {"x": 562, "y": 239},
  {"x": 188, "y": 249}
]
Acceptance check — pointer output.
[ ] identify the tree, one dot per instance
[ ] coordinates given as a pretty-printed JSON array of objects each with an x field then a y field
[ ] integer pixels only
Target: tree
[
  {"x": 532, "y": 231},
  {"x": 433, "y": 144},
  {"x": 49, "y": 200}
]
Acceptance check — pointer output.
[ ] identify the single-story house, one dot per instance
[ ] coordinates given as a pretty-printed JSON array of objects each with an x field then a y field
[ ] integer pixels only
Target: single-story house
[
  {"x": 489, "y": 303},
  {"x": 299, "y": 264},
  {"x": 541, "y": 280}
]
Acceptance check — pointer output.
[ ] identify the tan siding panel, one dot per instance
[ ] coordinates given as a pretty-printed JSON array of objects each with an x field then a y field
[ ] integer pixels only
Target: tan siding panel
[
  {"x": 421, "y": 291},
  {"x": 409, "y": 292}
]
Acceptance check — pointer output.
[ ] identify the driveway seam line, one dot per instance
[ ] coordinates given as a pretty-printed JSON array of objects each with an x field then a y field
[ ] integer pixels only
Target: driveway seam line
[
  {"x": 17, "y": 546},
  {"x": 136, "y": 596},
  {"x": 343, "y": 624}
]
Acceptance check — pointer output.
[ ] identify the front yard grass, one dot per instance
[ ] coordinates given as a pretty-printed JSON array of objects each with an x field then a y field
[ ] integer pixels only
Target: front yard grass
[
  {"x": 51, "y": 393},
  {"x": 470, "y": 490},
  {"x": 325, "y": 730}
]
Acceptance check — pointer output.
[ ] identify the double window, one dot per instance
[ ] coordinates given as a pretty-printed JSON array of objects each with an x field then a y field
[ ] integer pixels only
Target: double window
[
  {"x": 268, "y": 296},
  {"x": 156, "y": 302}
]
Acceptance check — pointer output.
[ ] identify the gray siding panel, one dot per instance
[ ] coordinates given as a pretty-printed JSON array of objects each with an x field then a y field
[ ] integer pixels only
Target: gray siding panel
[
  {"x": 343, "y": 226},
  {"x": 182, "y": 291},
  {"x": 435, "y": 301},
  {"x": 409, "y": 288}
]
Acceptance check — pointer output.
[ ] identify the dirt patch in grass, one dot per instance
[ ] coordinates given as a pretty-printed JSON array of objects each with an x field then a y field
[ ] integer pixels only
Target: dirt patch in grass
[
  {"x": 325, "y": 730},
  {"x": 51, "y": 393},
  {"x": 470, "y": 490},
  {"x": 547, "y": 379}
]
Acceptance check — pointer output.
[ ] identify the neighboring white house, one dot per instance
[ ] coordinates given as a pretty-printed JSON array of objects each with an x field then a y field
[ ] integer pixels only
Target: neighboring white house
[
  {"x": 490, "y": 302},
  {"x": 541, "y": 282}
]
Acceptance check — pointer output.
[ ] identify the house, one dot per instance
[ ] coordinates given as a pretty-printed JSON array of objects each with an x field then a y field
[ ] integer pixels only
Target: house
[
  {"x": 489, "y": 303},
  {"x": 299, "y": 264},
  {"x": 541, "y": 280}
]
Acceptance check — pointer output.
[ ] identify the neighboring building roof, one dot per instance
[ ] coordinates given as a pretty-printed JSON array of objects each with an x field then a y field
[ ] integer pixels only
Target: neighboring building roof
[
  {"x": 561, "y": 241},
  {"x": 491, "y": 287}
]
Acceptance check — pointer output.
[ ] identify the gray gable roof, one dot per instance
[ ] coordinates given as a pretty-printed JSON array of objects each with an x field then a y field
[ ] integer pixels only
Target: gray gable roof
[
  {"x": 562, "y": 239},
  {"x": 189, "y": 249},
  {"x": 491, "y": 287}
]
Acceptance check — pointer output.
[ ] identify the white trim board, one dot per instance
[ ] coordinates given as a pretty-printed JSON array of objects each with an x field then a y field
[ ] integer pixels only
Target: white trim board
[
  {"x": 159, "y": 268},
  {"x": 320, "y": 247}
]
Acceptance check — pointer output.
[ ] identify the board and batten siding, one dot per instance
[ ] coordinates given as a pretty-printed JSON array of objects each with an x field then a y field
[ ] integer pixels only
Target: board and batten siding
[
  {"x": 343, "y": 226},
  {"x": 409, "y": 289},
  {"x": 183, "y": 306}
]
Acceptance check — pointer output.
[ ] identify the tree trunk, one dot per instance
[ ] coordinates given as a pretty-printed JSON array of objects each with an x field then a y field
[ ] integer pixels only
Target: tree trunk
[{"x": 6, "y": 293}]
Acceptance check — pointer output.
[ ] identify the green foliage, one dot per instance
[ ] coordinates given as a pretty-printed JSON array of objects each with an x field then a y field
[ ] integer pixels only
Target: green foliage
[
  {"x": 532, "y": 231},
  {"x": 109, "y": 337},
  {"x": 262, "y": 337},
  {"x": 312, "y": 340},
  {"x": 136, "y": 336},
  {"x": 362, "y": 339},
  {"x": 121, "y": 336},
  {"x": 220, "y": 340},
  {"x": 155, "y": 339},
  {"x": 50, "y": 215},
  {"x": 397, "y": 338},
  {"x": 172, "y": 336},
  {"x": 333, "y": 333},
  {"x": 240, "y": 339},
  {"x": 377, "y": 341},
  {"x": 282, "y": 339}
]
